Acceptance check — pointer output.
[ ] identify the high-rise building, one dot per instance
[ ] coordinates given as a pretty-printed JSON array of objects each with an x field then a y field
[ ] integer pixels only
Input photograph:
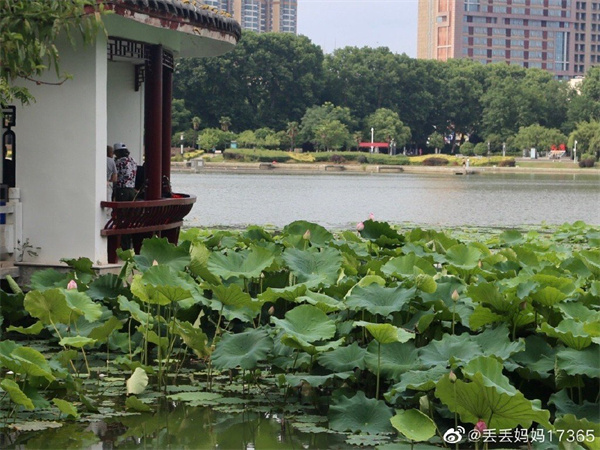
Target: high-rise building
[
  {"x": 561, "y": 36},
  {"x": 261, "y": 15}
]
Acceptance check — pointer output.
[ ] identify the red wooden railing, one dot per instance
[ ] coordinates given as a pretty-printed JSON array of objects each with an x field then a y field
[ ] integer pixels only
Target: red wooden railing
[{"x": 145, "y": 218}]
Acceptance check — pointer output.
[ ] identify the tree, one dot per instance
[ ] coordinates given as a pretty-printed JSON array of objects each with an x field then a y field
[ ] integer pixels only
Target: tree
[
  {"x": 587, "y": 135},
  {"x": 317, "y": 115},
  {"x": 28, "y": 30},
  {"x": 387, "y": 126},
  {"x": 266, "y": 137},
  {"x": 246, "y": 138},
  {"x": 331, "y": 135},
  {"x": 225, "y": 123},
  {"x": 212, "y": 138},
  {"x": 180, "y": 116},
  {"x": 292, "y": 132},
  {"x": 435, "y": 140},
  {"x": 538, "y": 137},
  {"x": 196, "y": 126}
]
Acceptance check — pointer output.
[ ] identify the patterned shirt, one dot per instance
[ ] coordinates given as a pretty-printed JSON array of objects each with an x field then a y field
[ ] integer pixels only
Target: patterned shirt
[{"x": 126, "y": 170}]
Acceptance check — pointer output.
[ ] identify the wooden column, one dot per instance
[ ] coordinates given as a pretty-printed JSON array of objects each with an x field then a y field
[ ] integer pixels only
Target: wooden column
[
  {"x": 154, "y": 128},
  {"x": 166, "y": 122}
]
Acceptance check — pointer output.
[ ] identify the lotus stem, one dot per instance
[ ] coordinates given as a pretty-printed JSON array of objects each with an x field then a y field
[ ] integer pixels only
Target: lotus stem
[{"x": 378, "y": 367}]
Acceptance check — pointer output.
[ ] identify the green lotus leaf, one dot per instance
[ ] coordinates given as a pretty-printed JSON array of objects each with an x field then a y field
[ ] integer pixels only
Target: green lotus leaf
[
  {"x": 463, "y": 256},
  {"x": 406, "y": 266},
  {"x": 162, "y": 285},
  {"x": 570, "y": 332},
  {"x": 314, "y": 267},
  {"x": 193, "y": 337},
  {"x": 294, "y": 232},
  {"x": 46, "y": 279},
  {"x": 164, "y": 253},
  {"x": 360, "y": 414},
  {"x": 413, "y": 424},
  {"x": 102, "y": 332},
  {"x": 136, "y": 404},
  {"x": 490, "y": 370},
  {"x": 578, "y": 311},
  {"x": 569, "y": 429},
  {"x": 314, "y": 380},
  {"x": 395, "y": 359},
  {"x": 367, "y": 440},
  {"x": 16, "y": 394},
  {"x": 299, "y": 343},
  {"x": 24, "y": 360},
  {"x": 106, "y": 286},
  {"x": 537, "y": 360},
  {"x": 244, "y": 263},
  {"x": 49, "y": 306},
  {"x": 234, "y": 302},
  {"x": 511, "y": 237},
  {"x": 591, "y": 258},
  {"x": 83, "y": 305},
  {"x": 199, "y": 265},
  {"x": 419, "y": 380},
  {"x": 324, "y": 302},
  {"x": 380, "y": 300},
  {"x": 76, "y": 341},
  {"x": 242, "y": 350},
  {"x": 548, "y": 296},
  {"x": 66, "y": 407},
  {"x": 475, "y": 401},
  {"x": 483, "y": 316},
  {"x": 137, "y": 382},
  {"x": 135, "y": 310},
  {"x": 34, "y": 329},
  {"x": 580, "y": 362},
  {"x": 426, "y": 283},
  {"x": 385, "y": 333},
  {"x": 564, "y": 405},
  {"x": 564, "y": 285},
  {"x": 449, "y": 350},
  {"x": 496, "y": 342},
  {"x": 306, "y": 322},
  {"x": 344, "y": 358},
  {"x": 488, "y": 293},
  {"x": 290, "y": 293}
]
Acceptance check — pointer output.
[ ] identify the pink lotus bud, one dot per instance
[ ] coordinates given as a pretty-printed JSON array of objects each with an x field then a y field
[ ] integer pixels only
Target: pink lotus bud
[
  {"x": 72, "y": 284},
  {"x": 306, "y": 235},
  {"x": 371, "y": 216},
  {"x": 360, "y": 226},
  {"x": 481, "y": 426},
  {"x": 155, "y": 263},
  {"x": 271, "y": 310},
  {"x": 455, "y": 296},
  {"x": 452, "y": 377}
]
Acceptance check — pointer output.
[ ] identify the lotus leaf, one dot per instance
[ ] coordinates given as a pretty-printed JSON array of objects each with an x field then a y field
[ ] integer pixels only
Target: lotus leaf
[
  {"x": 106, "y": 286},
  {"x": 578, "y": 311},
  {"x": 344, "y": 358},
  {"x": 408, "y": 266},
  {"x": 489, "y": 397},
  {"x": 76, "y": 341},
  {"x": 483, "y": 316},
  {"x": 66, "y": 407},
  {"x": 381, "y": 233},
  {"x": 34, "y": 329},
  {"x": 564, "y": 405},
  {"x": 511, "y": 237},
  {"x": 290, "y": 293},
  {"x": 580, "y": 362},
  {"x": 135, "y": 310},
  {"x": 488, "y": 293},
  {"x": 385, "y": 333},
  {"x": 537, "y": 361},
  {"x": 134, "y": 403},
  {"x": 24, "y": 360},
  {"x": 16, "y": 394},
  {"x": 426, "y": 283},
  {"x": 314, "y": 380},
  {"x": 368, "y": 440},
  {"x": 548, "y": 296},
  {"x": 360, "y": 414},
  {"x": 413, "y": 424},
  {"x": 450, "y": 350},
  {"x": 312, "y": 349},
  {"x": 495, "y": 342},
  {"x": 306, "y": 322},
  {"x": 235, "y": 303},
  {"x": 314, "y": 267},
  {"x": 49, "y": 306},
  {"x": 48, "y": 279},
  {"x": 242, "y": 350},
  {"x": 568, "y": 429},
  {"x": 137, "y": 382},
  {"x": 419, "y": 380},
  {"x": 35, "y": 425},
  {"x": 244, "y": 263},
  {"x": 196, "y": 398},
  {"x": 395, "y": 359},
  {"x": 161, "y": 285},
  {"x": 591, "y": 258},
  {"x": 570, "y": 332},
  {"x": 193, "y": 337},
  {"x": 163, "y": 252},
  {"x": 380, "y": 300},
  {"x": 294, "y": 232},
  {"x": 463, "y": 256},
  {"x": 324, "y": 302},
  {"x": 102, "y": 332},
  {"x": 83, "y": 305}
]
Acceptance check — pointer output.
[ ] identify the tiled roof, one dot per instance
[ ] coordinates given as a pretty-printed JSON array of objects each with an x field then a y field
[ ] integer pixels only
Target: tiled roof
[{"x": 201, "y": 16}]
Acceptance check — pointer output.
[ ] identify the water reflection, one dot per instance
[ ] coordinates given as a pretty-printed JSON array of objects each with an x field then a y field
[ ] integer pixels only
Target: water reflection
[{"x": 338, "y": 201}]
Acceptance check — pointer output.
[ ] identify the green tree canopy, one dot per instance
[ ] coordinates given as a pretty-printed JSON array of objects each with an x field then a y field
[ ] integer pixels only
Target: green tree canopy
[
  {"x": 317, "y": 115},
  {"x": 331, "y": 135},
  {"x": 387, "y": 126},
  {"x": 539, "y": 137}
]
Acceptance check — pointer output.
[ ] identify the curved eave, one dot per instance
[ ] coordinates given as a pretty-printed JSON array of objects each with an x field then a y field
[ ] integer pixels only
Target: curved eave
[{"x": 183, "y": 28}]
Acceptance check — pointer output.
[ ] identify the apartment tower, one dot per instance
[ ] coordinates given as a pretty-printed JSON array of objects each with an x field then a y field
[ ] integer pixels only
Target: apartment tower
[
  {"x": 261, "y": 15},
  {"x": 561, "y": 36}
]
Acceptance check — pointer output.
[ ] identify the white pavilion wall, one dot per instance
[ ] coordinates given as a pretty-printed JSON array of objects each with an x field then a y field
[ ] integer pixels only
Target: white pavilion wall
[{"x": 61, "y": 159}]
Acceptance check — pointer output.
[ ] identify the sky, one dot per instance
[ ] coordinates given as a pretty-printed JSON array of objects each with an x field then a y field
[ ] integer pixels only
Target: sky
[{"x": 381, "y": 23}]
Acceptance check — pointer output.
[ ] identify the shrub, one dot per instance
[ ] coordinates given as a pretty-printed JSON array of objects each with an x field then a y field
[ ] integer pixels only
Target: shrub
[
  {"x": 383, "y": 160},
  {"x": 434, "y": 161},
  {"x": 361, "y": 159},
  {"x": 507, "y": 163},
  {"x": 467, "y": 149},
  {"x": 337, "y": 159},
  {"x": 588, "y": 162}
]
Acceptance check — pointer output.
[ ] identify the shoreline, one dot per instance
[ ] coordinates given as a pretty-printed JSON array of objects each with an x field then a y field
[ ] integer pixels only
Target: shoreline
[{"x": 198, "y": 166}]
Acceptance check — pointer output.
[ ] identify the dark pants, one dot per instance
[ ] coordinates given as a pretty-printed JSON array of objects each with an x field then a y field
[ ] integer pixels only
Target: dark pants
[{"x": 125, "y": 194}]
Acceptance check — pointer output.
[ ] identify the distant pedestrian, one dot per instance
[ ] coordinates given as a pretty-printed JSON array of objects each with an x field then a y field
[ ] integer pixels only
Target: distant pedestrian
[{"x": 111, "y": 172}]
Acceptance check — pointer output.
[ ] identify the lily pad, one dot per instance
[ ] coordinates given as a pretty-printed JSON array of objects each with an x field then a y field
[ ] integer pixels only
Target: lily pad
[
  {"x": 244, "y": 263},
  {"x": 580, "y": 362},
  {"x": 344, "y": 358},
  {"x": 306, "y": 322},
  {"x": 137, "y": 382},
  {"x": 66, "y": 407},
  {"x": 380, "y": 300},
  {"x": 413, "y": 424},
  {"x": 313, "y": 267},
  {"x": 134, "y": 403},
  {"x": 360, "y": 414},
  {"x": 242, "y": 350}
]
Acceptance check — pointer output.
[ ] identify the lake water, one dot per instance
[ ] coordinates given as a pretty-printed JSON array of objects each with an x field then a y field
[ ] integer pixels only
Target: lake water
[{"x": 341, "y": 200}]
